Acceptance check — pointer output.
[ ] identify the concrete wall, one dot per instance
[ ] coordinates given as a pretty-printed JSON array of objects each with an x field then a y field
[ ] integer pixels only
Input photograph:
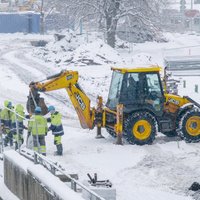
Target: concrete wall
[
  {"x": 21, "y": 182},
  {"x": 33, "y": 182},
  {"x": 36, "y": 191},
  {"x": 15, "y": 179}
]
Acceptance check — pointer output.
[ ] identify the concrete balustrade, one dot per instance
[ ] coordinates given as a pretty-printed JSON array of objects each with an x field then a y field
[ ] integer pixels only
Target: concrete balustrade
[{"x": 29, "y": 181}]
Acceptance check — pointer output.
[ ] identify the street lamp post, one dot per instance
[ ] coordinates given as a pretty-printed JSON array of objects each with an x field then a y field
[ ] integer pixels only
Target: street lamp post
[{"x": 182, "y": 12}]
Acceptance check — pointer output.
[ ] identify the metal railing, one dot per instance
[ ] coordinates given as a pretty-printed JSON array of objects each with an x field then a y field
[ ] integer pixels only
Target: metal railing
[{"x": 55, "y": 167}]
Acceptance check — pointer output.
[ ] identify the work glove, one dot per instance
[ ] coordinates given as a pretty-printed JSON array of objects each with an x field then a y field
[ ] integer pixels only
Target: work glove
[{"x": 28, "y": 116}]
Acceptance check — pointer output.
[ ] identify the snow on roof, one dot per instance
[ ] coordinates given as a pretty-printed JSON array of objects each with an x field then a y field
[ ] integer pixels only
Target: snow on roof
[{"x": 182, "y": 58}]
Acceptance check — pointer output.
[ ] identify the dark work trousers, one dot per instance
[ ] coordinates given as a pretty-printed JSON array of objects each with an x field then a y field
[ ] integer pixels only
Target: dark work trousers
[{"x": 40, "y": 145}]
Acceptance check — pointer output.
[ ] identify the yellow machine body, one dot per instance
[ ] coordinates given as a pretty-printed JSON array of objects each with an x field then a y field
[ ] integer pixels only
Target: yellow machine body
[{"x": 137, "y": 120}]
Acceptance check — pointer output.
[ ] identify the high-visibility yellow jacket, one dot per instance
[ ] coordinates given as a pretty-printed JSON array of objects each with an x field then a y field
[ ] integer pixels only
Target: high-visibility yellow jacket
[
  {"x": 56, "y": 124},
  {"x": 19, "y": 110},
  {"x": 6, "y": 118},
  {"x": 37, "y": 125}
]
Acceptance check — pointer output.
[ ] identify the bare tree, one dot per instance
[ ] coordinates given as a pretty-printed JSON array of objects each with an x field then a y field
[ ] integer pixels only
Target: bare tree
[{"x": 108, "y": 13}]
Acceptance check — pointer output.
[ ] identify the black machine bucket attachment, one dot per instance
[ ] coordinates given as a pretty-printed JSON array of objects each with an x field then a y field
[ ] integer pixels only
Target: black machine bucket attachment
[{"x": 34, "y": 100}]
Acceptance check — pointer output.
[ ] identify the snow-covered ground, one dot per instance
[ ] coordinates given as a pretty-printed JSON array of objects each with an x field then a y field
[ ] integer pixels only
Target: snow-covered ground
[{"x": 164, "y": 170}]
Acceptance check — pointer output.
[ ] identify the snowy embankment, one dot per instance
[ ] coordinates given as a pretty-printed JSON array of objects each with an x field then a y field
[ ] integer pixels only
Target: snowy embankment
[
  {"x": 39, "y": 173},
  {"x": 164, "y": 170}
]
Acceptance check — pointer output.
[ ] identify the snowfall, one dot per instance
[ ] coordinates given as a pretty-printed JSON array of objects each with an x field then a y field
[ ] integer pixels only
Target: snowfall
[{"x": 164, "y": 170}]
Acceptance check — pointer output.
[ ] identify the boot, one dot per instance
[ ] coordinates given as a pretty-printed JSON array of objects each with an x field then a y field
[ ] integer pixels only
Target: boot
[
  {"x": 11, "y": 142},
  {"x": 59, "y": 151},
  {"x": 6, "y": 141},
  {"x": 16, "y": 146},
  {"x": 10, "y": 138}
]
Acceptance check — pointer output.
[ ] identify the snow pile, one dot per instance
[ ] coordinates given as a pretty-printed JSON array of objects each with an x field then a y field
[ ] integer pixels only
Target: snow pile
[
  {"x": 59, "y": 50},
  {"x": 72, "y": 48},
  {"x": 95, "y": 53}
]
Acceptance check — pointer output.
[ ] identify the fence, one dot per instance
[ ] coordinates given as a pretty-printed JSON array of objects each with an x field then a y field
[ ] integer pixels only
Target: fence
[
  {"x": 191, "y": 86},
  {"x": 51, "y": 166},
  {"x": 19, "y": 22}
]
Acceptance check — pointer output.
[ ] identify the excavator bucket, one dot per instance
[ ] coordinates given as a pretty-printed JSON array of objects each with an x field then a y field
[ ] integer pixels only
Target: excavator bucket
[
  {"x": 34, "y": 100},
  {"x": 43, "y": 106}
]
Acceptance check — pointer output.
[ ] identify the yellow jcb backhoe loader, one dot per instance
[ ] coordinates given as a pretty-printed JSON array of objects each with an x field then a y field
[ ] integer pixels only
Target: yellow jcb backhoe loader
[{"x": 137, "y": 106}]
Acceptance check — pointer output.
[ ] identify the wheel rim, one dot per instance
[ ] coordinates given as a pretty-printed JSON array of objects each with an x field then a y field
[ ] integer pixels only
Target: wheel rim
[
  {"x": 142, "y": 129},
  {"x": 193, "y": 126}
]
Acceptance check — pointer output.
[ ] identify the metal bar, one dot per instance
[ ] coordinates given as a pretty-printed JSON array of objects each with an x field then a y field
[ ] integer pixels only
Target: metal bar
[
  {"x": 192, "y": 101},
  {"x": 17, "y": 128},
  {"x": 53, "y": 170},
  {"x": 15, "y": 113},
  {"x": 1, "y": 139},
  {"x": 35, "y": 158},
  {"x": 33, "y": 98},
  {"x": 73, "y": 181},
  {"x": 75, "y": 188}
]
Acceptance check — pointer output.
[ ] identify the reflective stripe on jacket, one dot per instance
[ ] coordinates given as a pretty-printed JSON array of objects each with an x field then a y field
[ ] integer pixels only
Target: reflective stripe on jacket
[
  {"x": 56, "y": 124},
  {"x": 37, "y": 125}
]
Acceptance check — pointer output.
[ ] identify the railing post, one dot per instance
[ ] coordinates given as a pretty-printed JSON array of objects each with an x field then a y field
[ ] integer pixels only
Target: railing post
[
  {"x": 35, "y": 158},
  {"x": 73, "y": 185},
  {"x": 1, "y": 138},
  {"x": 196, "y": 89},
  {"x": 17, "y": 128},
  {"x": 184, "y": 84},
  {"x": 53, "y": 170}
]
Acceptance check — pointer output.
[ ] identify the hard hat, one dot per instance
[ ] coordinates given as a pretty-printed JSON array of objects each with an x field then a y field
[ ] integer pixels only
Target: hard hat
[
  {"x": 38, "y": 109},
  {"x": 6, "y": 102},
  {"x": 51, "y": 108},
  {"x": 9, "y": 104}
]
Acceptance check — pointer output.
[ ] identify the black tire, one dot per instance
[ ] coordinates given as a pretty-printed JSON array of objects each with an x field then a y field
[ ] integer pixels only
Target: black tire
[
  {"x": 111, "y": 132},
  {"x": 189, "y": 126},
  {"x": 140, "y": 128},
  {"x": 178, "y": 121},
  {"x": 176, "y": 132}
]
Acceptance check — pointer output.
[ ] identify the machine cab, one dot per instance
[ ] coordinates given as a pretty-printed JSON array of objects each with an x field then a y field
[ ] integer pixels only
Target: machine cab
[{"x": 136, "y": 89}]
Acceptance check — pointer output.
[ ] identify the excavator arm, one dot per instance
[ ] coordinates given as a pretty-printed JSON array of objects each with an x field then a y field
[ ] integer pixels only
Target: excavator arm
[{"x": 68, "y": 80}]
